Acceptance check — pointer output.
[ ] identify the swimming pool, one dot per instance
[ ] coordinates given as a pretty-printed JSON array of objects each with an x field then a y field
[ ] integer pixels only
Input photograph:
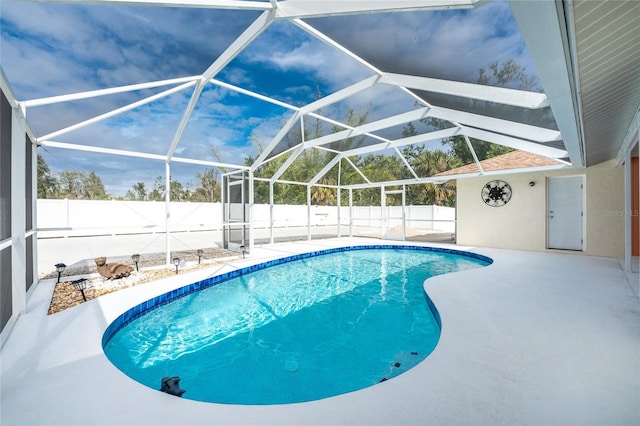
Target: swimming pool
[{"x": 296, "y": 329}]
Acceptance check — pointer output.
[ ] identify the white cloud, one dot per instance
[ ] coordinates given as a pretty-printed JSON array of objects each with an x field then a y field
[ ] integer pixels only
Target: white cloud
[{"x": 50, "y": 49}]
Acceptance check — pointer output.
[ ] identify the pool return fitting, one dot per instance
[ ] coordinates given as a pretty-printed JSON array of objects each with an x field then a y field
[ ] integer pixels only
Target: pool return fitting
[{"x": 171, "y": 385}]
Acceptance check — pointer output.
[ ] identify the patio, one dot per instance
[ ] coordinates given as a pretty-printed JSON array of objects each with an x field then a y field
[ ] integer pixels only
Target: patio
[{"x": 535, "y": 338}]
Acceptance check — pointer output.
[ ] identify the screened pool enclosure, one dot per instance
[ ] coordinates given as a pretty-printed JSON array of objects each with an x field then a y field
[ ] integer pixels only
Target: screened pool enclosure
[{"x": 338, "y": 103}]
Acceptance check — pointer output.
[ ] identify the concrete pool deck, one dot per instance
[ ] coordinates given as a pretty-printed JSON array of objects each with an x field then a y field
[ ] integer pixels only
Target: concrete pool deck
[{"x": 534, "y": 338}]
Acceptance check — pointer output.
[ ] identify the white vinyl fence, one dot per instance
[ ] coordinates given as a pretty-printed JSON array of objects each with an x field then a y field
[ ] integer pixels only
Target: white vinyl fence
[{"x": 74, "y": 218}]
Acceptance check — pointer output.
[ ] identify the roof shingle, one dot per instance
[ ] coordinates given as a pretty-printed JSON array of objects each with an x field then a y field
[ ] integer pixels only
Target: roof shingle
[{"x": 510, "y": 160}]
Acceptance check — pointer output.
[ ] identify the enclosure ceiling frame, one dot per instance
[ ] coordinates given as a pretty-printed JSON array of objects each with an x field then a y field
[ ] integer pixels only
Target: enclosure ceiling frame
[
  {"x": 517, "y": 98},
  {"x": 340, "y": 95},
  {"x": 549, "y": 51},
  {"x": 6, "y": 88},
  {"x": 314, "y": 106},
  {"x": 117, "y": 111},
  {"x": 106, "y": 92},
  {"x": 512, "y": 128},
  {"x": 357, "y": 169},
  {"x": 515, "y": 143},
  {"x": 288, "y": 9},
  {"x": 504, "y": 126},
  {"x": 406, "y": 163},
  {"x": 148, "y": 156},
  {"x": 446, "y": 178},
  {"x": 507, "y": 133},
  {"x": 237, "y": 46},
  {"x": 409, "y": 140},
  {"x": 198, "y": 4},
  {"x": 332, "y": 43},
  {"x": 283, "y": 168},
  {"x": 473, "y": 153},
  {"x": 253, "y": 94},
  {"x": 325, "y": 170},
  {"x": 370, "y": 127}
]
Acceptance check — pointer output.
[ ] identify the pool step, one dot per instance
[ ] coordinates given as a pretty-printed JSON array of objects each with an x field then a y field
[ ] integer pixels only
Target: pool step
[{"x": 402, "y": 362}]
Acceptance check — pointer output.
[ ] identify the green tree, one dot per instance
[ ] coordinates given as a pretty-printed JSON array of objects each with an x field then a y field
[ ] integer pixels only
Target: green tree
[
  {"x": 80, "y": 185},
  {"x": 483, "y": 149},
  {"x": 138, "y": 192},
  {"x": 409, "y": 130},
  {"x": 208, "y": 189},
  {"x": 508, "y": 74},
  {"x": 428, "y": 163},
  {"x": 48, "y": 186},
  {"x": 70, "y": 184},
  {"x": 94, "y": 188},
  {"x": 157, "y": 193},
  {"x": 177, "y": 191}
]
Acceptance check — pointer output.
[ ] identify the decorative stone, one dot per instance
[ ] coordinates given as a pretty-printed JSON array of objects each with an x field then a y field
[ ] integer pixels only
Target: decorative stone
[{"x": 112, "y": 271}]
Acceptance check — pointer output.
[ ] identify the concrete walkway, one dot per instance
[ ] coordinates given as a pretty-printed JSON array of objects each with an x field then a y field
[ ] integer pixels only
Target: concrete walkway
[{"x": 535, "y": 338}]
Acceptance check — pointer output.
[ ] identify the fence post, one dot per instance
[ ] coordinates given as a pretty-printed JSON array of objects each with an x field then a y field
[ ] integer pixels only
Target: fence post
[
  {"x": 115, "y": 218},
  {"x": 68, "y": 225}
]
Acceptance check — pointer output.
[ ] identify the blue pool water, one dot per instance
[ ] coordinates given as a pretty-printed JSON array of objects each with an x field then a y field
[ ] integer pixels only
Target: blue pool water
[{"x": 300, "y": 330}]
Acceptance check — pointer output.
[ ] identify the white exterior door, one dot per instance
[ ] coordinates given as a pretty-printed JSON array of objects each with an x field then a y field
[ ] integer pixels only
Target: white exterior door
[{"x": 565, "y": 213}]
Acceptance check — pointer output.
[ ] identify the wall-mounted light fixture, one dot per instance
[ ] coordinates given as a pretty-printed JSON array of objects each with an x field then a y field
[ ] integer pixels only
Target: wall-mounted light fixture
[
  {"x": 136, "y": 259},
  {"x": 60, "y": 269}
]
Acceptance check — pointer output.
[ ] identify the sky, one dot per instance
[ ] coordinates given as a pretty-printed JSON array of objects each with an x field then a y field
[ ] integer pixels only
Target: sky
[{"x": 50, "y": 49}]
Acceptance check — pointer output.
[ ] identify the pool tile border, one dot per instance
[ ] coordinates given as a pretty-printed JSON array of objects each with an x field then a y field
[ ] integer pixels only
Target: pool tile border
[{"x": 163, "y": 299}]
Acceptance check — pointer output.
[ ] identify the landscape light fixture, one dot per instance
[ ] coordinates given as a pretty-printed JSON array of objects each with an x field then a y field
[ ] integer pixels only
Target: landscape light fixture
[
  {"x": 200, "y": 253},
  {"x": 176, "y": 261},
  {"x": 80, "y": 285},
  {"x": 243, "y": 251},
  {"x": 60, "y": 269},
  {"x": 136, "y": 259}
]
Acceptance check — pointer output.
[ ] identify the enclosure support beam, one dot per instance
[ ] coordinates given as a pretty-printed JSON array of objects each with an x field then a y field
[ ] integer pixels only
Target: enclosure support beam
[
  {"x": 350, "y": 212},
  {"x": 308, "y": 9},
  {"x": 558, "y": 76},
  {"x": 116, "y": 111},
  {"x": 628, "y": 217},
  {"x": 270, "y": 212},
  {"x": 34, "y": 207},
  {"x": 252, "y": 237},
  {"x": 383, "y": 204},
  {"x": 276, "y": 140},
  {"x": 106, "y": 92},
  {"x": 167, "y": 206},
  {"x": 309, "y": 212},
  {"x": 18, "y": 210},
  {"x": 238, "y": 45},
  {"x": 505, "y": 96},
  {"x": 338, "y": 198},
  {"x": 473, "y": 153}
]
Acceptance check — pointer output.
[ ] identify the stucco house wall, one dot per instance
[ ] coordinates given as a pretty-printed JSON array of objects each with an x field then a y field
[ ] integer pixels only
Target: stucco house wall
[{"x": 522, "y": 223}]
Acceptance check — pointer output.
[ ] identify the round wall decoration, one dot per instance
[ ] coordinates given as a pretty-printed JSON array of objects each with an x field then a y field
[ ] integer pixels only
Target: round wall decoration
[{"x": 496, "y": 193}]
